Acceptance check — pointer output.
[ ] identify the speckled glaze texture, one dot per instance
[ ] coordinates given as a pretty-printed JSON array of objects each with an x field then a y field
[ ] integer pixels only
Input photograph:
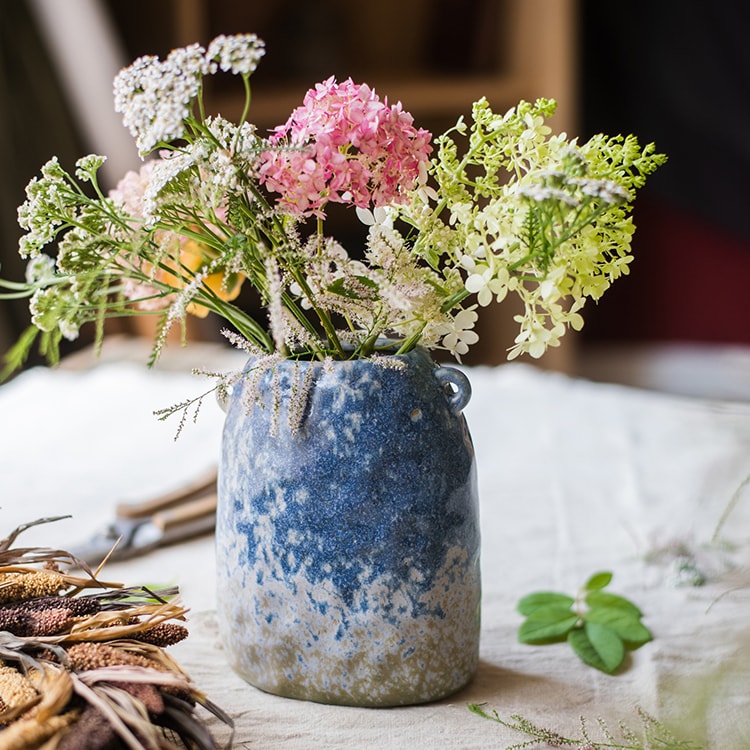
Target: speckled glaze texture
[{"x": 348, "y": 550}]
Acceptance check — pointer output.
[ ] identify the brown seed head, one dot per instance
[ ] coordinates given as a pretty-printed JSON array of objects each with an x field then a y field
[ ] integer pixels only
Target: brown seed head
[
  {"x": 90, "y": 655},
  {"x": 16, "y": 587}
]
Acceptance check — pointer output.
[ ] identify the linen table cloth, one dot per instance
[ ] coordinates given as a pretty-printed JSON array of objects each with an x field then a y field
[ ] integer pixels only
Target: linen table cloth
[{"x": 574, "y": 477}]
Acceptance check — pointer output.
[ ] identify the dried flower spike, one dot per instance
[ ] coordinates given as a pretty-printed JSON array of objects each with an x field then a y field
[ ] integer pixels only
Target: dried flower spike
[{"x": 16, "y": 587}]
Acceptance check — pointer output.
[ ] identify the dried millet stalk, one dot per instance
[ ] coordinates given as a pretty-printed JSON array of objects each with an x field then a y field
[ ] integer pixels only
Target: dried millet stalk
[
  {"x": 16, "y": 621},
  {"x": 31, "y": 733},
  {"x": 147, "y": 694},
  {"x": 15, "y": 587},
  {"x": 93, "y": 655},
  {"x": 15, "y": 690},
  {"x": 92, "y": 731},
  {"x": 25, "y": 623},
  {"x": 164, "y": 634},
  {"x": 50, "y": 622},
  {"x": 78, "y": 605},
  {"x": 40, "y": 611}
]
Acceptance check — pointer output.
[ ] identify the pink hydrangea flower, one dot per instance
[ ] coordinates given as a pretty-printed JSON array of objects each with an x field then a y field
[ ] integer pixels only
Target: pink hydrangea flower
[{"x": 345, "y": 146}]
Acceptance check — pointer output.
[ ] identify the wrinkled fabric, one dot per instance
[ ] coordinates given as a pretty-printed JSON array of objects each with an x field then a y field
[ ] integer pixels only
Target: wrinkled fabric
[{"x": 574, "y": 478}]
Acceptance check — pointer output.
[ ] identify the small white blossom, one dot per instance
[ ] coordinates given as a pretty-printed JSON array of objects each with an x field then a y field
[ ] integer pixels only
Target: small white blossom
[
  {"x": 380, "y": 216},
  {"x": 68, "y": 329},
  {"x": 458, "y": 334},
  {"x": 534, "y": 338},
  {"x": 39, "y": 269},
  {"x": 546, "y": 194},
  {"x": 484, "y": 282},
  {"x": 87, "y": 166}
]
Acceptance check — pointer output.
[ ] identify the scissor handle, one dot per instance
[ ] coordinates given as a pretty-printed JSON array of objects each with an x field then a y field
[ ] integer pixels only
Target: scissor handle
[
  {"x": 146, "y": 508},
  {"x": 185, "y": 513}
]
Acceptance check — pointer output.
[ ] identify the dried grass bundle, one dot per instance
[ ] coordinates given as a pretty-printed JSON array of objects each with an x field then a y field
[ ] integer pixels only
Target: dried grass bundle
[{"x": 88, "y": 671}]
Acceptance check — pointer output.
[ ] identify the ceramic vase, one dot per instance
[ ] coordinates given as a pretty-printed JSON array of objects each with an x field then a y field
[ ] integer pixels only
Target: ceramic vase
[{"x": 347, "y": 533}]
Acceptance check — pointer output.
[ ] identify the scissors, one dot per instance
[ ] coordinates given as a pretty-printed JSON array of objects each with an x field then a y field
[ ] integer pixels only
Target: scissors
[{"x": 140, "y": 527}]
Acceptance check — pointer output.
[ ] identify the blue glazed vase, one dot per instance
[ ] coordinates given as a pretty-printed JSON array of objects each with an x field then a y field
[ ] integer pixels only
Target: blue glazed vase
[{"x": 347, "y": 533}]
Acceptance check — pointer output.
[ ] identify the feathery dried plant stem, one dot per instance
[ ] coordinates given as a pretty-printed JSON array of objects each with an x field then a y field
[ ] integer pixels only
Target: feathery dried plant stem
[{"x": 30, "y": 733}]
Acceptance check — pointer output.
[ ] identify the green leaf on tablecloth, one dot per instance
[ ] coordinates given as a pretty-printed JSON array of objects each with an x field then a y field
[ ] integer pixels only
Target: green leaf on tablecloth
[
  {"x": 599, "y": 626},
  {"x": 612, "y": 601},
  {"x": 598, "y": 581},
  {"x": 627, "y": 626},
  {"x": 547, "y": 625},
  {"x": 598, "y": 646},
  {"x": 532, "y": 602}
]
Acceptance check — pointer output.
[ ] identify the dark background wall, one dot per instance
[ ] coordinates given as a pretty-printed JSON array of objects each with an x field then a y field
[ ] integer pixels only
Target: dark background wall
[{"x": 676, "y": 72}]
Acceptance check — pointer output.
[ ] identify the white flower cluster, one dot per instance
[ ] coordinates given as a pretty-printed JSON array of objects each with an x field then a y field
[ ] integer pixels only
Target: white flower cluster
[
  {"x": 574, "y": 191},
  {"x": 203, "y": 173},
  {"x": 40, "y": 269},
  {"x": 38, "y": 215},
  {"x": 458, "y": 333},
  {"x": 239, "y": 53},
  {"x": 607, "y": 191},
  {"x": 155, "y": 97}
]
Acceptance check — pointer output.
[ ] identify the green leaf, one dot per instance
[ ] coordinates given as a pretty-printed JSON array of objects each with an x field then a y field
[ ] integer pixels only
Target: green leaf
[
  {"x": 598, "y": 581},
  {"x": 532, "y": 602},
  {"x": 627, "y": 626},
  {"x": 600, "y": 632},
  {"x": 598, "y": 646},
  {"x": 547, "y": 625},
  {"x": 18, "y": 353},
  {"x": 339, "y": 287},
  {"x": 612, "y": 601}
]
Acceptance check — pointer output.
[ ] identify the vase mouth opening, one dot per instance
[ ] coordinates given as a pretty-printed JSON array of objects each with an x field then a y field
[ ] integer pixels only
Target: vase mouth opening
[{"x": 382, "y": 347}]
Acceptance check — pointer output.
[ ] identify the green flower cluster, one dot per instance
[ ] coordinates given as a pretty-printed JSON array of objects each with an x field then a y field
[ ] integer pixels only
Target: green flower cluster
[{"x": 532, "y": 213}]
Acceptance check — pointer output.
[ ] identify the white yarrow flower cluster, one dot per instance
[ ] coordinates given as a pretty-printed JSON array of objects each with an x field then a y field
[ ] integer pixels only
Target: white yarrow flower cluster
[
  {"x": 547, "y": 194},
  {"x": 607, "y": 191},
  {"x": 37, "y": 215},
  {"x": 154, "y": 96},
  {"x": 239, "y": 53},
  {"x": 39, "y": 269},
  {"x": 233, "y": 157}
]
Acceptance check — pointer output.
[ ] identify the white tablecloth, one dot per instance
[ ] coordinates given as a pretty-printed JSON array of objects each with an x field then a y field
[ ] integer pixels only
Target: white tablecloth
[{"x": 574, "y": 477}]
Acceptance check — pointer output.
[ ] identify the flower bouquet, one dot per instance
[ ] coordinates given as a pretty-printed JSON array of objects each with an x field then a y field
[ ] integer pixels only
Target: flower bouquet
[
  {"x": 347, "y": 523},
  {"x": 495, "y": 205}
]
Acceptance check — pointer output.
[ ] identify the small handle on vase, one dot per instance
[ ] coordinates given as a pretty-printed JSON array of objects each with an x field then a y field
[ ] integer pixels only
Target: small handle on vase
[{"x": 456, "y": 387}]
